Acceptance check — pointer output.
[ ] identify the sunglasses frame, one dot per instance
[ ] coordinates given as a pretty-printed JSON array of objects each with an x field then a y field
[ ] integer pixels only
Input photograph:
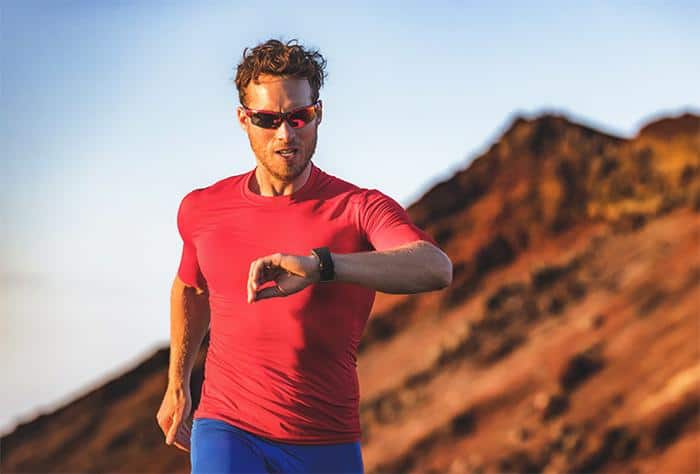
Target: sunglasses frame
[{"x": 282, "y": 116}]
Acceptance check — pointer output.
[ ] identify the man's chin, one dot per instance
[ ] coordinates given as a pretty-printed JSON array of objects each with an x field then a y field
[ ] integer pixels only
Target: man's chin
[{"x": 290, "y": 172}]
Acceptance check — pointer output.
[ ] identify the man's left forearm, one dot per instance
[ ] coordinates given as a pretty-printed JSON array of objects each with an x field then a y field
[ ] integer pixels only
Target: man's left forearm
[{"x": 411, "y": 268}]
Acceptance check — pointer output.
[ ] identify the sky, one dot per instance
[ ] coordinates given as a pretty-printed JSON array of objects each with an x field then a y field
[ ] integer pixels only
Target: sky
[{"x": 113, "y": 111}]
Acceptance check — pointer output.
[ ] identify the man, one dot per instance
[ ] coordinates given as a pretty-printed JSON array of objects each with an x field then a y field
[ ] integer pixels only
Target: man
[{"x": 284, "y": 260}]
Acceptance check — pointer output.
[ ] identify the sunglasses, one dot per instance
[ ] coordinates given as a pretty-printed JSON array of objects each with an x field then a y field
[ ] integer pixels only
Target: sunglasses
[{"x": 296, "y": 118}]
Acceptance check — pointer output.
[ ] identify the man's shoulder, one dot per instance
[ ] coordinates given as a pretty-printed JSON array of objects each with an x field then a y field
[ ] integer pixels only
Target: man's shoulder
[
  {"x": 337, "y": 185},
  {"x": 225, "y": 185},
  {"x": 217, "y": 189},
  {"x": 364, "y": 198}
]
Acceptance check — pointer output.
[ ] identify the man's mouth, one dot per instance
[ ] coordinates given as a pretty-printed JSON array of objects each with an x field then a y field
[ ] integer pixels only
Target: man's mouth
[{"x": 286, "y": 152}]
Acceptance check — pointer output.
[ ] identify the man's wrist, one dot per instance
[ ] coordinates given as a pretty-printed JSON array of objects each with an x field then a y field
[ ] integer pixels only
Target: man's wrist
[
  {"x": 315, "y": 274},
  {"x": 326, "y": 268},
  {"x": 179, "y": 384}
]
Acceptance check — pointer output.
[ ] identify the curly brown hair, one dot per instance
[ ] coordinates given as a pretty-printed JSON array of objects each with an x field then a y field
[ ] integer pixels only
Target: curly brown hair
[{"x": 279, "y": 59}]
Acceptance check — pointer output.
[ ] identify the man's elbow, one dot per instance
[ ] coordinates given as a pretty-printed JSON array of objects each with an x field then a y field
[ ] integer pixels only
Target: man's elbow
[
  {"x": 445, "y": 277},
  {"x": 443, "y": 271}
]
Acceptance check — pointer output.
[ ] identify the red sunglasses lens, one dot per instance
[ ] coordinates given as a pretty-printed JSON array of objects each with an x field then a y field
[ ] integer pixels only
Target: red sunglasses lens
[
  {"x": 296, "y": 119},
  {"x": 265, "y": 119},
  {"x": 302, "y": 117}
]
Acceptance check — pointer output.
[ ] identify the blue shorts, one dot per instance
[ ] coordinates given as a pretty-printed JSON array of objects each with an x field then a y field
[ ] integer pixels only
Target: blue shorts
[{"x": 218, "y": 447}]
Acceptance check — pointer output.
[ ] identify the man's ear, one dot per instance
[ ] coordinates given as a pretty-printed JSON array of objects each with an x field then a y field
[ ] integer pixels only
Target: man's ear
[
  {"x": 242, "y": 118},
  {"x": 320, "y": 113}
]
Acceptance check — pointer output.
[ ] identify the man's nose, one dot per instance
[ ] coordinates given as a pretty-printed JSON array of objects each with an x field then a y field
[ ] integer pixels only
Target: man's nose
[{"x": 285, "y": 131}]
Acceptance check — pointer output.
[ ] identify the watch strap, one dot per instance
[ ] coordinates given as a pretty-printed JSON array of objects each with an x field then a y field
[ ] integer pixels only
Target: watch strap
[{"x": 325, "y": 263}]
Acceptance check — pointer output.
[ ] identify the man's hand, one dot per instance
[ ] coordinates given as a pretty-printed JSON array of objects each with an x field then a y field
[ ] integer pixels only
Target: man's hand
[
  {"x": 291, "y": 273},
  {"x": 172, "y": 417}
]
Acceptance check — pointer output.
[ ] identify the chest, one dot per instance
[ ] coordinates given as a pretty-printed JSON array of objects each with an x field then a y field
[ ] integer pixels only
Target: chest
[{"x": 229, "y": 238}]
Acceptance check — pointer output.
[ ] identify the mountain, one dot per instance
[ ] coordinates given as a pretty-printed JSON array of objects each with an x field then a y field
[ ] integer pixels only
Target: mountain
[{"x": 568, "y": 341}]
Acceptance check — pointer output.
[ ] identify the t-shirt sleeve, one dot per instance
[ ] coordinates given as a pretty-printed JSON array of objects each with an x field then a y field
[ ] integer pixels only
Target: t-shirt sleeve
[
  {"x": 385, "y": 223},
  {"x": 189, "y": 271}
]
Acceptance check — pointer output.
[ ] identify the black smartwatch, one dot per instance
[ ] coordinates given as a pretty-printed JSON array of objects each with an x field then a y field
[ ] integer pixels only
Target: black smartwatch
[{"x": 325, "y": 262}]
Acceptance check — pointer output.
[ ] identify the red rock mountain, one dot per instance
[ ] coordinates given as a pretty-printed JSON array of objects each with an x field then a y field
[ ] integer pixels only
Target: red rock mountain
[{"x": 569, "y": 340}]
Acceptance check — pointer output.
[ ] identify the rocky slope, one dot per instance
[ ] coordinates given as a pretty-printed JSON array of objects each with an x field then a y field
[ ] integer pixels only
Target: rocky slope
[{"x": 568, "y": 341}]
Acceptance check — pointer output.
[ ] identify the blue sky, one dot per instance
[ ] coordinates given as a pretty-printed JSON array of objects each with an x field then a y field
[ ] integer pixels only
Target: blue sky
[{"x": 112, "y": 111}]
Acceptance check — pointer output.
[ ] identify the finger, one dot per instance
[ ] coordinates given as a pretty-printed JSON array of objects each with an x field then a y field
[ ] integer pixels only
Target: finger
[
  {"x": 269, "y": 292},
  {"x": 183, "y": 446},
  {"x": 184, "y": 430},
  {"x": 182, "y": 440},
  {"x": 267, "y": 267},
  {"x": 249, "y": 283},
  {"x": 253, "y": 278},
  {"x": 173, "y": 430},
  {"x": 261, "y": 273},
  {"x": 164, "y": 425},
  {"x": 262, "y": 270}
]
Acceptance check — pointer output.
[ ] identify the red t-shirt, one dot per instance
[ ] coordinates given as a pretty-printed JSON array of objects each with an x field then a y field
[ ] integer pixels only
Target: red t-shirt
[{"x": 284, "y": 368}]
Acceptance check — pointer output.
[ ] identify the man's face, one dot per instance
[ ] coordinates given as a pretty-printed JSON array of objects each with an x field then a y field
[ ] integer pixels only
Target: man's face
[{"x": 277, "y": 94}]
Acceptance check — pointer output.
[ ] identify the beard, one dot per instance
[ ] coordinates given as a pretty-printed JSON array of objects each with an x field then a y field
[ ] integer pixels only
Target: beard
[{"x": 279, "y": 168}]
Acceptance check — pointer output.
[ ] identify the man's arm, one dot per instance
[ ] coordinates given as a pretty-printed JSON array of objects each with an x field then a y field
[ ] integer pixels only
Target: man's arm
[
  {"x": 189, "y": 321},
  {"x": 411, "y": 268}
]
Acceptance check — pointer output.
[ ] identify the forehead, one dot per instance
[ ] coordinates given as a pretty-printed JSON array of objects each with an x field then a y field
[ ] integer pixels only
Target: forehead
[{"x": 277, "y": 93}]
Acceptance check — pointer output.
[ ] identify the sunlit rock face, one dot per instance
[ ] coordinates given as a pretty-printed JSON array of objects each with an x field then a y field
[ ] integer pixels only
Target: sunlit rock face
[{"x": 567, "y": 342}]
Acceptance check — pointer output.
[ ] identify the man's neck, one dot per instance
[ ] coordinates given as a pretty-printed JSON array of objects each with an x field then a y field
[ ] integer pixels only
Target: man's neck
[{"x": 266, "y": 185}]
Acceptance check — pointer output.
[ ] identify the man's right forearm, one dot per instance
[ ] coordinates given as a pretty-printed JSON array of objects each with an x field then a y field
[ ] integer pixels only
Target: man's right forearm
[{"x": 189, "y": 322}]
